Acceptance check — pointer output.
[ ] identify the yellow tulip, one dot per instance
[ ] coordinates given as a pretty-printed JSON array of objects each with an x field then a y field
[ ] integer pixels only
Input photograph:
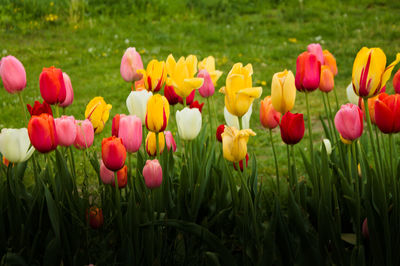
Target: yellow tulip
[
  {"x": 208, "y": 64},
  {"x": 283, "y": 91},
  {"x": 154, "y": 76},
  {"x": 157, "y": 113},
  {"x": 151, "y": 145},
  {"x": 98, "y": 111},
  {"x": 239, "y": 93},
  {"x": 370, "y": 73},
  {"x": 234, "y": 143},
  {"x": 181, "y": 75}
]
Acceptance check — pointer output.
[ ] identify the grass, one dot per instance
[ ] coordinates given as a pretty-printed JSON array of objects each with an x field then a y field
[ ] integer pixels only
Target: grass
[{"x": 268, "y": 35}]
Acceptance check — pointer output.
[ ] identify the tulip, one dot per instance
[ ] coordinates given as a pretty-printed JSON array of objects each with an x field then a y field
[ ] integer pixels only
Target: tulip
[
  {"x": 189, "y": 123},
  {"x": 387, "y": 113},
  {"x": 292, "y": 128},
  {"x": 152, "y": 173},
  {"x": 197, "y": 105},
  {"x": 189, "y": 99},
  {"x": 106, "y": 175},
  {"x": 349, "y": 122},
  {"x": 351, "y": 96},
  {"x": 328, "y": 146},
  {"x": 239, "y": 93},
  {"x": 113, "y": 153},
  {"x": 269, "y": 117},
  {"x": 234, "y": 143},
  {"x": 207, "y": 89},
  {"x": 151, "y": 145},
  {"x": 122, "y": 177},
  {"x": 208, "y": 64},
  {"x": 95, "y": 217},
  {"x": 181, "y": 75},
  {"x": 316, "y": 49},
  {"x": 241, "y": 163},
  {"x": 371, "y": 105},
  {"x": 137, "y": 103},
  {"x": 69, "y": 92},
  {"x": 365, "y": 231},
  {"x": 39, "y": 108},
  {"x": 52, "y": 85},
  {"x": 154, "y": 76},
  {"x": 139, "y": 85},
  {"x": 220, "y": 130},
  {"x": 115, "y": 125},
  {"x": 42, "y": 133},
  {"x": 157, "y": 113},
  {"x": 169, "y": 140},
  {"x": 131, "y": 62},
  {"x": 130, "y": 132},
  {"x": 308, "y": 72},
  {"x": 233, "y": 121},
  {"x": 370, "y": 73},
  {"x": 173, "y": 98},
  {"x": 326, "y": 82},
  {"x": 98, "y": 111},
  {"x": 283, "y": 91},
  {"x": 330, "y": 61},
  {"x": 66, "y": 130},
  {"x": 13, "y": 74},
  {"x": 396, "y": 82},
  {"x": 84, "y": 134},
  {"x": 14, "y": 145}
]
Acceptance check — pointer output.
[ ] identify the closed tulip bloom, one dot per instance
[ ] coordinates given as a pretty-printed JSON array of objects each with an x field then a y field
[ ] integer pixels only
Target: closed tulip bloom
[
  {"x": 157, "y": 113},
  {"x": 131, "y": 62},
  {"x": 66, "y": 130},
  {"x": 106, "y": 175},
  {"x": 115, "y": 125},
  {"x": 233, "y": 121},
  {"x": 220, "y": 130},
  {"x": 52, "y": 85},
  {"x": 330, "y": 61},
  {"x": 387, "y": 113},
  {"x": 292, "y": 128},
  {"x": 69, "y": 92},
  {"x": 349, "y": 122},
  {"x": 113, "y": 153},
  {"x": 39, "y": 108},
  {"x": 396, "y": 82},
  {"x": 326, "y": 82},
  {"x": 151, "y": 144},
  {"x": 95, "y": 217},
  {"x": 234, "y": 143},
  {"x": 308, "y": 72},
  {"x": 14, "y": 145},
  {"x": 152, "y": 173},
  {"x": 13, "y": 74},
  {"x": 130, "y": 132},
  {"x": 283, "y": 91},
  {"x": 208, "y": 64},
  {"x": 171, "y": 96},
  {"x": 316, "y": 49},
  {"x": 189, "y": 123},
  {"x": 370, "y": 73},
  {"x": 84, "y": 134},
  {"x": 122, "y": 177},
  {"x": 351, "y": 96},
  {"x": 98, "y": 111},
  {"x": 239, "y": 91},
  {"x": 197, "y": 105},
  {"x": 170, "y": 141},
  {"x": 154, "y": 76},
  {"x": 42, "y": 133},
  {"x": 207, "y": 89},
  {"x": 328, "y": 146},
  {"x": 137, "y": 103},
  {"x": 269, "y": 117},
  {"x": 181, "y": 75}
]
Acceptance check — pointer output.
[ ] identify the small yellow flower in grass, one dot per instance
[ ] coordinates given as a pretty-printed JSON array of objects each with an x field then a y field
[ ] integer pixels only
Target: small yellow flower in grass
[
  {"x": 293, "y": 40},
  {"x": 208, "y": 64},
  {"x": 234, "y": 143},
  {"x": 98, "y": 111}
]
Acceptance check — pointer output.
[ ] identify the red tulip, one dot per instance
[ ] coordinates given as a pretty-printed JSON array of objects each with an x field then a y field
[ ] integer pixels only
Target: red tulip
[
  {"x": 349, "y": 122},
  {"x": 52, "y": 86},
  {"x": 220, "y": 130},
  {"x": 13, "y": 74},
  {"x": 387, "y": 113},
  {"x": 39, "y": 108},
  {"x": 42, "y": 133},
  {"x": 292, "y": 128},
  {"x": 241, "y": 163},
  {"x": 174, "y": 98},
  {"x": 95, "y": 217},
  {"x": 308, "y": 72},
  {"x": 115, "y": 125},
  {"x": 371, "y": 105},
  {"x": 122, "y": 177},
  {"x": 113, "y": 153},
  {"x": 197, "y": 105},
  {"x": 396, "y": 81}
]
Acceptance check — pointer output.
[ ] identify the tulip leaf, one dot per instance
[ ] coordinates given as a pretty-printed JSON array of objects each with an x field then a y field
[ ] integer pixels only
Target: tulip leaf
[{"x": 53, "y": 213}]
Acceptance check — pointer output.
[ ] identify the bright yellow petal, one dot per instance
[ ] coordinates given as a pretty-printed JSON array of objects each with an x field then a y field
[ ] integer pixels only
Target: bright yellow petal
[
  {"x": 215, "y": 76},
  {"x": 276, "y": 94},
  {"x": 191, "y": 64},
  {"x": 359, "y": 63},
  {"x": 254, "y": 92},
  {"x": 388, "y": 71},
  {"x": 289, "y": 92},
  {"x": 249, "y": 69},
  {"x": 376, "y": 69},
  {"x": 170, "y": 65}
]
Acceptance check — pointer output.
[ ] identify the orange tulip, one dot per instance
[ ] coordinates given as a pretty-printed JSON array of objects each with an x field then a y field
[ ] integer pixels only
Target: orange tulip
[
  {"x": 269, "y": 117},
  {"x": 330, "y": 61},
  {"x": 326, "y": 82}
]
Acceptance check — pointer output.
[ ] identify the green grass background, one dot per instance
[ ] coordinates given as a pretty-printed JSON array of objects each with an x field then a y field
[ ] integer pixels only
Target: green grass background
[{"x": 88, "y": 38}]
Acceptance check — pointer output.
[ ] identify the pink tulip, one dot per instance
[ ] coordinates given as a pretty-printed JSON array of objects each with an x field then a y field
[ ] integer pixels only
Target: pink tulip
[
  {"x": 308, "y": 72},
  {"x": 131, "y": 62},
  {"x": 316, "y": 49},
  {"x": 66, "y": 130},
  {"x": 13, "y": 74},
  {"x": 84, "y": 134},
  {"x": 349, "y": 122},
  {"x": 169, "y": 139},
  {"x": 207, "y": 89},
  {"x": 152, "y": 173},
  {"x": 106, "y": 175},
  {"x": 69, "y": 92},
  {"x": 130, "y": 131}
]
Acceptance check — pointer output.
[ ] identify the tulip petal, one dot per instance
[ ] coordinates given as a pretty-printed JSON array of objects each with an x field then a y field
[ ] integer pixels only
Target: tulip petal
[
  {"x": 193, "y": 83},
  {"x": 388, "y": 71},
  {"x": 384, "y": 117}
]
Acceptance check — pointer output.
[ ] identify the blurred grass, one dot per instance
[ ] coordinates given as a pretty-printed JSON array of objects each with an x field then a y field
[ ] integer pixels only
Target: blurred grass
[{"x": 87, "y": 39}]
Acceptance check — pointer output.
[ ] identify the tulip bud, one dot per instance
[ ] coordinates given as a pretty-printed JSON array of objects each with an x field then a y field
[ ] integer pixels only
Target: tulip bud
[
  {"x": 113, "y": 153},
  {"x": 396, "y": 82},
  {"x": 220, "y": 130},
  {"x": 308, "y": 72},
  {"x": 95, "y": 217},
  {"x": 330, "y": 61},
  {"x": 130, "y": 132},
  {"x": 351, "y": 96},
  {"x": 137, "y": 103},
  {"x": 84, "y": 134},
  {"x": 14, "y": 145},
  {"x": 151, "y": 145},
  {"x": 241, "y": 163},
  {"x": 349, "y": 122},
  {"x": 69, "y": 92},
  {"x": 189, "y": 123},
  {"x": 292, "y": 128},
  {"x": 269, "y": 117},
  {"x": 207, "y": 89},
  {"x": 326, "y": 82},
  {"x": 98, "y": 111},
  {"x": 152, "y": 173},
  {"x": 39, "y": 108},
  {"x": 52, "y": 85},
  {"x": 169, "y": 140},
  {"x": 283, "y": 91},
  {"x": 42, "y": 133},
  {"x": 66, "y": 130},
  {"x": 328, "y": 146},
  {"x": 13, "y": 74},
  {"x": 316, "y": 49},
  {"x": 122, "y": 177},
  {"x": 131, "y": 62},
  {"x": 157, "y": 113},
  {"x": 365, "y": 231},
  {"x": 197, "y": 105}
]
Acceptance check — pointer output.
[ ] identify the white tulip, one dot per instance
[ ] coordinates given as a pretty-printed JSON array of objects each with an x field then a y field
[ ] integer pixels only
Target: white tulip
[
  {"x": 351, "y": 96},
  {"x": 328, "y": 146},
  {"x": 189, "y": 123},
  {"x": 14, "y": 145},
  {"x": 233, "y": 121},
  {"x": 137, "y": 103}
]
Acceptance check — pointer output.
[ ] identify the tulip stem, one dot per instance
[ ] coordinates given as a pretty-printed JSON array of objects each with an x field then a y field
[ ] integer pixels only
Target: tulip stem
[
  {"x": 391, "y": 155},
  {"x": 310, "y": 135},
  {"x": 118, "y": 204},
  {"x": 276, "y": 162},
  {"x": 210, "y": 117},
  {"x": 289, "y": 166},
  {"x": 57, "y": 111},
  {"x": 337, "y": 102},
  {"x": 21, "y": 100},
  {"x": 358, "y": 206},
  {"x": 379, "y": 149},
  {"x": 240, "y": 123},
  {"x": 294, "y": 175},
  {"x": 371, "y": 137}
]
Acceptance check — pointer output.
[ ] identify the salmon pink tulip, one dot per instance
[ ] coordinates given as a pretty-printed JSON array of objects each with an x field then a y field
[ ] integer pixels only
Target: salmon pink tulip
[
  {"x": 327, "y": 81},
  {"x": 269, "y": 117},
  {"x": 13, "y": 74},
  {"x": 130, "y": 132},
  {"x": 52, "y": 85},
  {"x": 69, "y": 92},
  {"x": 169, "y": 140},
  {"x": 330, "y": 61},
  {"x": 66, "y": 130},
  {"x": 152, "y": 173},
  {"x": 42, "y": 133},
  {"x": 84, "y": 134},
  {"x": 316, "y": 49},
  {"x": 131, "y": 62},
  {"x": 349, "y": 122}
]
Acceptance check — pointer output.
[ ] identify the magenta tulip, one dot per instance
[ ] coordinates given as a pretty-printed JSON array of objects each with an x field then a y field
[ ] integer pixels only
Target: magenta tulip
[
  {"x": 84, "y": 134},
  {"x": 130, "y": 131},
  {"x": 69, "y": 92},
  {"x": 66, "y": 130},
  {"x": 316, "y": 49},
  {"x": 208, "y": 88},
  {"x": 152, "y": 173},
  {"x": 131, "y": 62},
  {"x": 169, "y": 140},
  {"x": 308, "y": 72},
  {"x": 12, "y": 74},
  {"x": 349, "y": 122}
]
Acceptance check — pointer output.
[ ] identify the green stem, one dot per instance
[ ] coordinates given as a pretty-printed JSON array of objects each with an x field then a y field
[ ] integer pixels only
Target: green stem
[
  {"x": 276, "y": 161},
  {"x": 337, "y": 102},
  {"x": 358, "y": 206},
  {"x": 294, "y": 170},
  {"x": 310, "y": 136},
  {"x": 289, "y": 166},
  {"x": 391, "y": 155},
  {"x": 379, "y": 149},
  {"x": 210, "y": 118},
  {"x": 327, "y": 115},
  {"x": 21, "y": 100},
  {"x": 57, "y": 111},
  {"x": 118, "y": 204},
  {"x": 240, "y": 123},
  {"x": 371, "y": 137}
]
